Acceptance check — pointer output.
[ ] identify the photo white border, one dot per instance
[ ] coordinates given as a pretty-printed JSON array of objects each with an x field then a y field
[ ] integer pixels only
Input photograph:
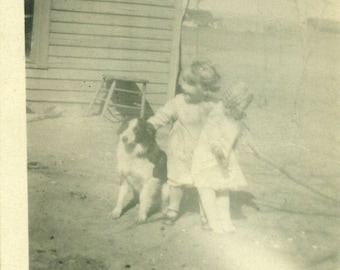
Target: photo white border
[{"x": 13, "y": 150}]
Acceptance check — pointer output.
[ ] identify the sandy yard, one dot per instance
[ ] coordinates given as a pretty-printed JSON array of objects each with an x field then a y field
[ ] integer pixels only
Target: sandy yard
[{"x": 286, "y": 218}]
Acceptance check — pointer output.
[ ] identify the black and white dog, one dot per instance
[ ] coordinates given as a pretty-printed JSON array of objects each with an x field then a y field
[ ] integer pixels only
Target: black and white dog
[{"x": 141, "y": 167}]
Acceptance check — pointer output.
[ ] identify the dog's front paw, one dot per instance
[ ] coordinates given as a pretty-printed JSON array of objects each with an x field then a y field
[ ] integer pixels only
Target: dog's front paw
[
  {"x": 141, "y": 219},
  {"x": 115, "y": 213}
]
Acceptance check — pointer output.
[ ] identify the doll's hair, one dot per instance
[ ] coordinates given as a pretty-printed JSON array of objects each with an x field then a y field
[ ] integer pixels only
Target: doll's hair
[
  {"x": 236, "y": 100},
  {"x": 204, "y": 74}
]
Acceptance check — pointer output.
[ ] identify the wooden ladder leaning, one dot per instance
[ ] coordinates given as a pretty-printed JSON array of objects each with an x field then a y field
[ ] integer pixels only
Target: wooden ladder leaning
[{"x": 109, "y": 87}]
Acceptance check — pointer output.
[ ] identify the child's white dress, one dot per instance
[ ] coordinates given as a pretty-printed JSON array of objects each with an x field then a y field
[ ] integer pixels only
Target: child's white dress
[
  {"x": 186, "y": 122},
  {"x": 221, "y": 131}
]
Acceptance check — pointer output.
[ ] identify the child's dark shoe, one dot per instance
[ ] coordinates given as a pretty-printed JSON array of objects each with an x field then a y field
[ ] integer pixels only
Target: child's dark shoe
[
  {"x": 205, "y": 224},
  {"x": 170, "y": 217}
]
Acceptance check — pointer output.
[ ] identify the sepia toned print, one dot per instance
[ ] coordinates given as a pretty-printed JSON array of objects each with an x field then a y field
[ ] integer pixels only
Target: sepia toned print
[{"x": 126, "y": 60}]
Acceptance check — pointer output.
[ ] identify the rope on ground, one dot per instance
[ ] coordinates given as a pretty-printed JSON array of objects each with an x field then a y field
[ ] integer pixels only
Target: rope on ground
[{"x": 251, "y": 143}]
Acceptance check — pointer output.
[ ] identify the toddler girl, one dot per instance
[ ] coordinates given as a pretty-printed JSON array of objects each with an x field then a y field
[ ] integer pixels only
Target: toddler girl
[
  {"x": 186, "y": 113},
  {"x": 215, "y": 169}
]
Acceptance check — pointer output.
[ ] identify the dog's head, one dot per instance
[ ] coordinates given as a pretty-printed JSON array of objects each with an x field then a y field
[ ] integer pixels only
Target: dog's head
[{"x": 137, "y": 131}]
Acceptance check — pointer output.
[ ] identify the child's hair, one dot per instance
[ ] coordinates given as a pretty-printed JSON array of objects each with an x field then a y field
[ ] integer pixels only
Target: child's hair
[
  {"x": 204, "y": 74},
  {"x": 236, "y": 100}
]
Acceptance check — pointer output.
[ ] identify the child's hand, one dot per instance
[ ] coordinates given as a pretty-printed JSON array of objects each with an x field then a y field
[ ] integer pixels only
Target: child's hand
[{"x": 217, "y": 150}]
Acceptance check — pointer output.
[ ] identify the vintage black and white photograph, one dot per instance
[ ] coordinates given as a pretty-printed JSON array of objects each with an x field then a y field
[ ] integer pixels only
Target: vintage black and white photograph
[{"x": 173, "y": 134}]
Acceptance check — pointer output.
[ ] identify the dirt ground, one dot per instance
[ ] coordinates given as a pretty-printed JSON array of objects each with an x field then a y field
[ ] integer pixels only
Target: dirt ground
[{"x": 286, "y": 218}]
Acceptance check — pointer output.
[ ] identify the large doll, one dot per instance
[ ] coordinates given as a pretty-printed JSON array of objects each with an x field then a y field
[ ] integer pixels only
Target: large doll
[{"x": 215, "y": 169}]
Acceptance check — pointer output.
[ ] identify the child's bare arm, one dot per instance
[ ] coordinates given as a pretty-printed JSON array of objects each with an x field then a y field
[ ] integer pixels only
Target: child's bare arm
[{"x": 164, "y": 116}]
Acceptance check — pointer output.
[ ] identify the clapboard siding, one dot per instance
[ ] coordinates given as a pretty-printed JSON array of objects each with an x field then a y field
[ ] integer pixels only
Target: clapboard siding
[
  {"x": 166, "y": 3},
  {"x": 62, "y": 85},
  {"x": 109, "y": 19},
  {"x": 155, "y": 100},
  {"x": 158, "y": 69},
  {"x": 132, "y": 38},
  {"x": 109, "y": 42},
  {"x": 79, "y": 85},
  {"x": 55, "y": 92},
  {"x": 116, "y": 8},
  {"x": 117, "y": 54},
  {"x": 91, "y": 74},
  {"x": 105, "y": 30}
]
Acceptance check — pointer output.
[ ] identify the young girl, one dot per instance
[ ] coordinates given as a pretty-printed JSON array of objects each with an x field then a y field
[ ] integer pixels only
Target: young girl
[
  {"x": 215, "y": 169},
  {"x": 186, "y": 113}
]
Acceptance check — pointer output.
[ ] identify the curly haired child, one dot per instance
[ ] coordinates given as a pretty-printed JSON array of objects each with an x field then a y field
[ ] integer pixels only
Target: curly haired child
[
  {"x": 186, "y": 114},
  {"x": 215, "y": 169}
]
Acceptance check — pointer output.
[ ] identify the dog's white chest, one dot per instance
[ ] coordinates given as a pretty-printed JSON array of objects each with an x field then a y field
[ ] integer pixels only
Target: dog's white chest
[{"x": 133, "y": 167}]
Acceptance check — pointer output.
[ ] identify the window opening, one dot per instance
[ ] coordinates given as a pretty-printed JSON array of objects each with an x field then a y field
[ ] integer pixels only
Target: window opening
[{"x": 29, "y": 12}]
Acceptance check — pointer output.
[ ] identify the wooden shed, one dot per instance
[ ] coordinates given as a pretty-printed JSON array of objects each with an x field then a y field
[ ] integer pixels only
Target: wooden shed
[{"x": 72, "y": 43}]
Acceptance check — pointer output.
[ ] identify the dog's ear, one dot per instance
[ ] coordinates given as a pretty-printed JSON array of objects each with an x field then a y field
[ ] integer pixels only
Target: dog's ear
[{"x": 151, "y": 131}]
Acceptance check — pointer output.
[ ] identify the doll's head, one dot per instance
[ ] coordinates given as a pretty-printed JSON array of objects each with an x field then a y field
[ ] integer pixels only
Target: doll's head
[
  {"x": 236, "y": 100},
  {"x": 199, "y": 81}
]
